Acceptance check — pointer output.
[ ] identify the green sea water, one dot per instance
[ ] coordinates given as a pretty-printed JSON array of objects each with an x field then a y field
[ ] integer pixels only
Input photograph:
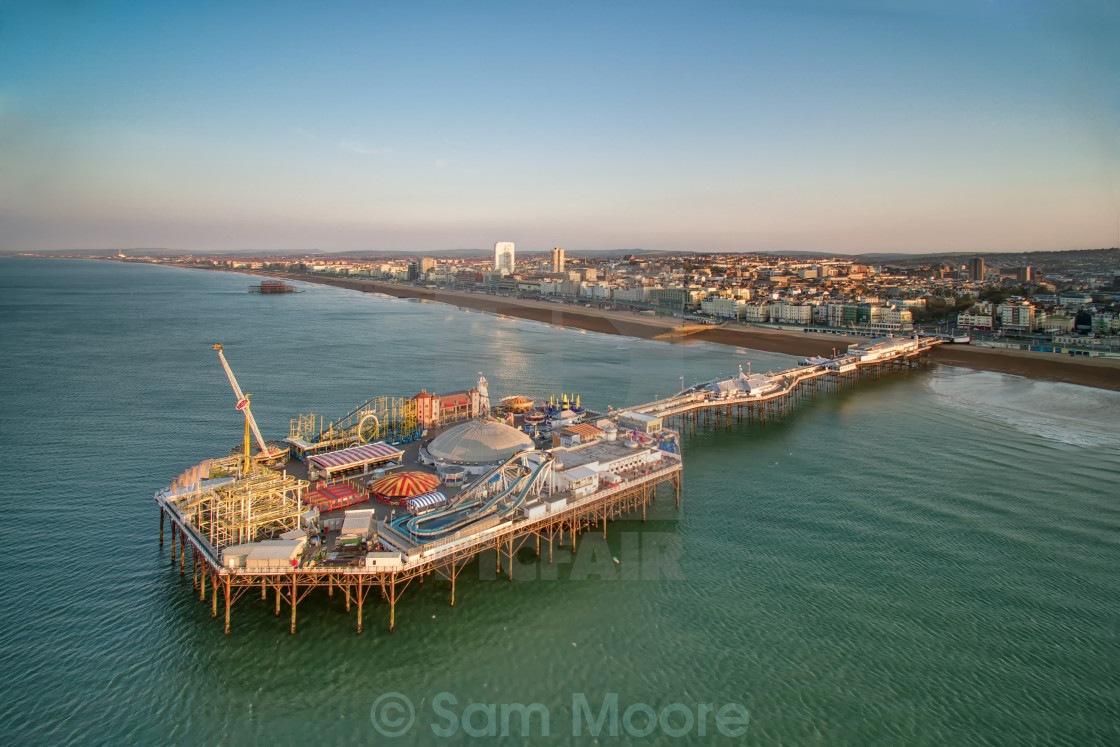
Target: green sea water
[{"x": 926, "y": 559}]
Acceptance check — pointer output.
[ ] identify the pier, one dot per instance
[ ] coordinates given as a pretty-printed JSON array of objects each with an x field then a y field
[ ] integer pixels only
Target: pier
[
  {"x": 273, "y": 286},
  {"x": 757, "y": 397},
  {"x": 222, "y": 508},
  {"x": 390, "y": 573}
]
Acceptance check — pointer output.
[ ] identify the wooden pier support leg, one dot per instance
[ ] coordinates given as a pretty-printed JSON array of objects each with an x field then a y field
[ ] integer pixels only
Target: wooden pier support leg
[
  {"x": 498, "y": 558},
  {"x": 295, "y": 599},
  {"x": 392, "y": 601},
  {"x": 551, "y": 542},
  {"x": 194, "y": 566},
  {"x": 330, "y": 586},
  {"x": 172, "y": 543},
  {"x": 182, "y": 556},
  {"x": 573, "y": 538},
  {"x": 264, "y": 592},
  {"x": 277, "y": 600},
  {"x": 454, "y": 573},
  {"x": 214, "y": 596},
  {"x": 161, "y": 518},
  {"x": 677, "y": 482},
  {"x": 347, "y": 592},
  {"x": 360, "y": 595},
  {"x": 202, "y": 586},
  {"x": 509, "y": 547},
  {"x": 538, "y": 535},
  {"x": 225, "y": 586}
]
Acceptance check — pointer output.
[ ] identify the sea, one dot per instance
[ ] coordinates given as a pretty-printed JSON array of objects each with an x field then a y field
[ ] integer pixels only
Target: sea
[{"x": 928, "y": 558}]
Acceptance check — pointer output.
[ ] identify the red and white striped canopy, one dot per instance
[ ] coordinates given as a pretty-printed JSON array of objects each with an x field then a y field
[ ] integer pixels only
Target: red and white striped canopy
[
  {"x": 405, "y": 484},
  {"x": 356, "y": 456}
]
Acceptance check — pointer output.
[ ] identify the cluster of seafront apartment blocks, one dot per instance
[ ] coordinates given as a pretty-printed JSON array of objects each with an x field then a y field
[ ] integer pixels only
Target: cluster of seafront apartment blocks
[
  {"x": 895, "y": 316},
  {"x": 584, "y": 283},
  {"x": 1055, "y": 315}
]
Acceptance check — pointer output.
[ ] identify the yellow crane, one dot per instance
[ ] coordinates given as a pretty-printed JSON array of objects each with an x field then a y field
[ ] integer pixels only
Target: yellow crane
[{"x": 243, "y": 405}]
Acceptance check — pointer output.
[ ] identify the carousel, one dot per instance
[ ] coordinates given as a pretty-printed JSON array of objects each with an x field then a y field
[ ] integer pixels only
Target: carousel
[
  {"x": 397, "y": 488},
  {"x": 516, "y": 404}
]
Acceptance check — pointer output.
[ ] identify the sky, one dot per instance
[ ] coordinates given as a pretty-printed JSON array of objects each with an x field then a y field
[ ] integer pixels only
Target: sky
[{"x": 848, "y": 126}]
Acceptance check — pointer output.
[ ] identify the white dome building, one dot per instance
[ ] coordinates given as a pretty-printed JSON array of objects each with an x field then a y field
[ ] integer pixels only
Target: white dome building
[{"x": 477, "y": 445}]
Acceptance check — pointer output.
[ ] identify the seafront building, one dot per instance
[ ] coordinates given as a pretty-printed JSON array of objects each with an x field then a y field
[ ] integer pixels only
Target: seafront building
[
  {"x": 978, "y": 316},
  {"x": 1019, "y": 317},
  {"x": 503, "y": 257},
  {"x": 976, "y": 269},
  {"x": 435, "y": 410},
  {"x": 474, "y": 447}
]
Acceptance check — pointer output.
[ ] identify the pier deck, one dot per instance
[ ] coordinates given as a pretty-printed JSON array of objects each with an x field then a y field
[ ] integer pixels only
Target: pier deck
[
  {"x": 444, "y": 558},
  {"x": 772, "y": 394}
]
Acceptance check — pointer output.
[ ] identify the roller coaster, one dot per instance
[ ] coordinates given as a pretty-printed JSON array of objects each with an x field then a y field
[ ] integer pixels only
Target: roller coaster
[{"x": 391, "y": 419}]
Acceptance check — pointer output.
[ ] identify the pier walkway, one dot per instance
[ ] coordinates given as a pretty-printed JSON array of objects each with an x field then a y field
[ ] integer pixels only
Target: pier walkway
[{"x": 749, "y": 395}]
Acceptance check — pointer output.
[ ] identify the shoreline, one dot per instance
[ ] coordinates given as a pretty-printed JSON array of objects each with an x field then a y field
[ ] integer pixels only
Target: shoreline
[{"x": 1098, "y": 373}]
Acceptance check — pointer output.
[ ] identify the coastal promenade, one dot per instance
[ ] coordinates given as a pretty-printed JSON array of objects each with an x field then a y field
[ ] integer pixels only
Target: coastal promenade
[{"x": 1100, "y": 373}]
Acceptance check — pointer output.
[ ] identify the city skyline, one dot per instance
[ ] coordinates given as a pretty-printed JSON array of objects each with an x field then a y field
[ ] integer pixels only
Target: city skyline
[{"x": 862, "y": 127}]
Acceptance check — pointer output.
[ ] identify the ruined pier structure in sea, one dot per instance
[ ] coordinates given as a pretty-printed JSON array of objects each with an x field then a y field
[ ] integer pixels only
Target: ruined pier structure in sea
[{"x": 212, "y": 507}]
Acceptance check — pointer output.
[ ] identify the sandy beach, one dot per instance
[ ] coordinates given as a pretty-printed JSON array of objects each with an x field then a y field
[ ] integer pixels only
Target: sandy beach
[{"x": 1101, "y": 373}]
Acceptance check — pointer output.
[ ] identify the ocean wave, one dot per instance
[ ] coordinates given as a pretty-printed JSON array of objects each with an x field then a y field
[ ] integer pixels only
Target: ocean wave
[{"x": 1066, "y": 413}]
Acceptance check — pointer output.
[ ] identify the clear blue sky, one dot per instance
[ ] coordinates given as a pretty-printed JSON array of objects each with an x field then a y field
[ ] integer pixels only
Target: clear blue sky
[{"x": 934, "y": 125}]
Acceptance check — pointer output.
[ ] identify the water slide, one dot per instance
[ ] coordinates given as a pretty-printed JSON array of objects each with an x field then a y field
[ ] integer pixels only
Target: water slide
[
  {"x": 433, "y": 525},
  {"x": 524, "y": 491},
  {"x": 458, "y": 507},
  {"x": 458, "y": 500}
]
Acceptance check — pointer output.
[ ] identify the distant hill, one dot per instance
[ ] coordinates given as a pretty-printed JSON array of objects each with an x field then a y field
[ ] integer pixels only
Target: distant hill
[
  {"x": 1070, "y": 257},
  {"x": 1086, "y": 261}
]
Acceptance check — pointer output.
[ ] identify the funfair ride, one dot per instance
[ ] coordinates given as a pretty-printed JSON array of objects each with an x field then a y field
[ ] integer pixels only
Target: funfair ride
[{"x": 243, "y": 406}]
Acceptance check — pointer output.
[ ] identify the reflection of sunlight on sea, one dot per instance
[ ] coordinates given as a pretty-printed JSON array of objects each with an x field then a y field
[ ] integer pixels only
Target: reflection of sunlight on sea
[
  {"x": 508, "y": 359},
  {"x": 1066, "y": 413}
]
